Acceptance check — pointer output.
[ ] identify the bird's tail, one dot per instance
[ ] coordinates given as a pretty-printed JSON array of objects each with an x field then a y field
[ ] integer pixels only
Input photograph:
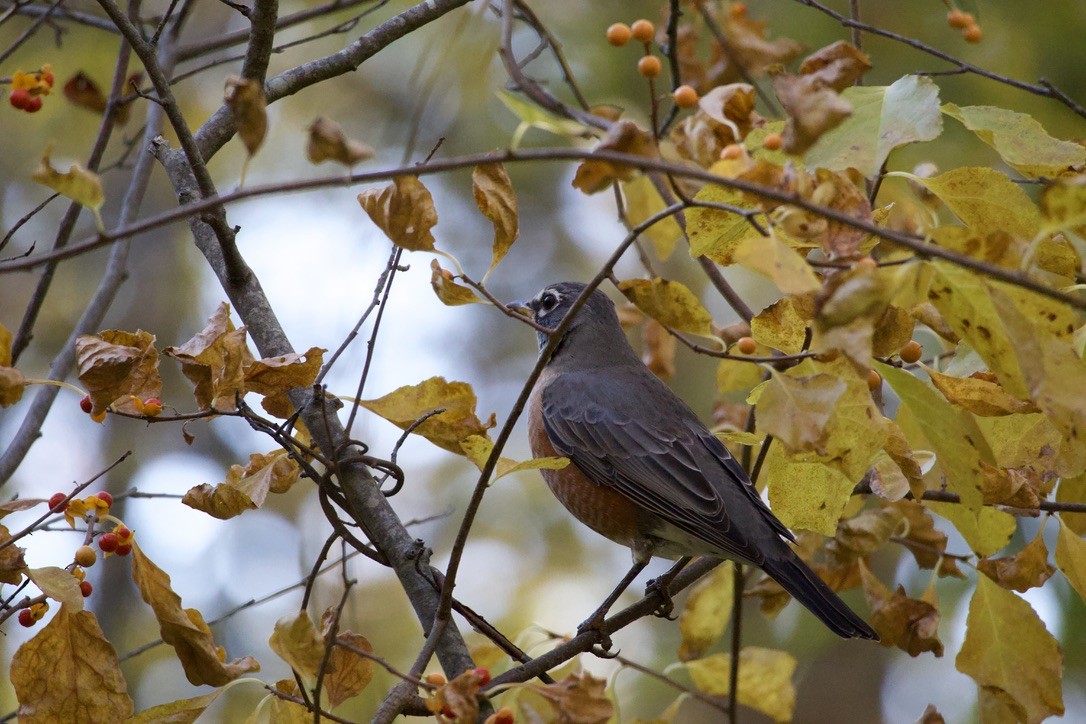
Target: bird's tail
[{"x": 806, "y": 587}]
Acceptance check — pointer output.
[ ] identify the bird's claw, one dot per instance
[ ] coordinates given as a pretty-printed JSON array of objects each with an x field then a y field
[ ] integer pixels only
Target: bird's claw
[{"x": 665, "y": 605}]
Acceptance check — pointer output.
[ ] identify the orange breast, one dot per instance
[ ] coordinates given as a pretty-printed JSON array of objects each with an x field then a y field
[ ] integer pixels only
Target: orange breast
[{"x": 601, "y": 508}]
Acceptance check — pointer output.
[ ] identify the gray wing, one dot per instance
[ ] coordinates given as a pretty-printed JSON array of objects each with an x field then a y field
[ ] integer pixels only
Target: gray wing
[{"x": 625, "y": 429}]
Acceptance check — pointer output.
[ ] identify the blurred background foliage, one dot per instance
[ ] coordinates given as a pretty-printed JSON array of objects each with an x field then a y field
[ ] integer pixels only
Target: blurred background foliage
[{"x": 529, "y": 567}]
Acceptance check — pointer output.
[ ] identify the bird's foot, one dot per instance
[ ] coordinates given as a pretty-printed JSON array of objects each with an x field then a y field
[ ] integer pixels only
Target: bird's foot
[
  {"x": 594, "y": 625},
  {"x": 657, "y": 587}
]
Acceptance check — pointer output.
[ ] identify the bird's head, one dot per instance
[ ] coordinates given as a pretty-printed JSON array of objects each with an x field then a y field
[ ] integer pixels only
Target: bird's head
[{"x": 592, "y": 327}]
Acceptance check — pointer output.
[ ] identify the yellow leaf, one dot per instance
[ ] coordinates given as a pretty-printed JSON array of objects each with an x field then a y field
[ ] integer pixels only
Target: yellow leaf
[
  {"x": 12, "y": 384},
  {"x": 497, "y": 201},
  {"x": 115, "y": 364},
  {"x": 405, "y": 405},
  {"x": 1064, "y": 205},
  {"x": 404, "y": 210},
  {"x": 765, "y": 680},
  {"x": 1071, "y": 558},
  {"x": 448, "y": 291},
  {"x": 1073, "y": 490},
  {"x": 707, "y": 611},
  {"x": 1019, "y": 139},
  {"x": 215, "y": 361},
  {"x": 182, "y": 711},
  {"x": 1007, "y": 650},
  {"x": 772, "y": 258},
  {"x": 716, "y": 233},
  {"x": 246, "y": 488},
  {"x": 12, "y": 561},
  {"x": 985, "y": 200},
  {"x": 477, "y": 449},
  {"x": 245, "y": 99},
  {"x": 59, "y": 585},
  {"x": 1024, "y": 570},
  {"x": 978, "y": 394},
  {"x": 734, "y": 376},
  {"x": 5, "y": 346},
  {"x": 296, "y": 641},
  {"x": 670, "y": 303},
  {"x": 69, "y": 672},
  {"x": 184, "y": 629},
  {"x": 809, "y": 495},
  {"x": 796, "y": 410},
  {"x": 986, "y": 531},
  {"x": 328, "y": 142},
  {"x": 950, "y": 431},
  {"x": 643, "y": 201},
  {"x": 277, "y": 375},
  {"x": 780, "y": 326},
  {"x": 78, "y": 184}
]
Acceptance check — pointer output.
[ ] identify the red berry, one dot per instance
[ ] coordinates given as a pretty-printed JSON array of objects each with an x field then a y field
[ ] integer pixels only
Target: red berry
[
  {"x": 106, "y": 497},
  {"x": 86, "y": 405},
  {"x": 33, "y": 104},
  {"x": 26, "y": 618},
  {"x": 58, "y": 503},
  {"x": 48, "y": 78},
  {"x": 124, "y": 549},
  {"x": 85, "y": 588},
  {"x": 502, "y": 716},
  {"x": 108, "y": 542},
  {"x": 19, "y": 98},
  {"x": 483, "y": 675}
]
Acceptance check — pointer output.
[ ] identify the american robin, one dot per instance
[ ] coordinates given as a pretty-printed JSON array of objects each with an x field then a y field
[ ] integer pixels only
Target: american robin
[{"x": 645, "y": 472}]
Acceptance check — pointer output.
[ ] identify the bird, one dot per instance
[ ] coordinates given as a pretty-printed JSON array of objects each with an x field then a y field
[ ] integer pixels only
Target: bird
[{"x": 644, "y": 471}]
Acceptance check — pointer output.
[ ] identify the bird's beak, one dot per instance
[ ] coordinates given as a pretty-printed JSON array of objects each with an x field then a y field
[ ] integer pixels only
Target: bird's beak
[{"x": 521, "y": 308}]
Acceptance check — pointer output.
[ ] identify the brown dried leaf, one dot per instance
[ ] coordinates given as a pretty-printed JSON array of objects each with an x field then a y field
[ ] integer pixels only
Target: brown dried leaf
[
  {"x": 404, "y": 210},
  {"x": 1024, "y": 570},
  {"x": 1019, "y": 488},
  {"x": 497, "y": 201},
  {"x": 861, "y": 536},
  {"x": 184, "y": 629},
  {"x": 659, "y": 349},
  {"x": 725, "y": 115},
  {"x": 893, "y": 330},
  {"x": 278, "y": 375},
  {"x": 12, "y": 562},
  {"x": 838, "y": 65},
  {"x": 580, "y": 698},
  {"x": 328, "y": 142},
  {"x": 813, "y": 108},
  {"x": 750, "y": 48},
  {"x": 69, "y": 672},
  {"x": 12, "y": 384},
  {"x": 85, "y": 93},
  {"x": 215, "y": 360},
  {"x": 245, "y": 99},
  {"x": 347, "y": 673},
  {"x": 447, "y": 290},
  {"x": 908, "y": 623},
  {"x": 595, "y": 175},
  {"x": 458, "y": 696},
  {"x": 116, "y": 364},
  {"x": 980, "y": 393}
]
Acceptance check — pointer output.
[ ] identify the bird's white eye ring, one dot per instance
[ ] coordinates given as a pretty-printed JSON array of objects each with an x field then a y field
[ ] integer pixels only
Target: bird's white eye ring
[{"x": 547, "y": 302}]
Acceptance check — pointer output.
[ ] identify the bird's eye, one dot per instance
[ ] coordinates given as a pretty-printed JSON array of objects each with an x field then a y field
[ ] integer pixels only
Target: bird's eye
[{"x": 547, "y": 302}]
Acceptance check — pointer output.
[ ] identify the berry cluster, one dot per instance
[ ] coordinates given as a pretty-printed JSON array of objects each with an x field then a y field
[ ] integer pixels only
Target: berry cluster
[
  {"x": 643, "y": 31},
  {"x": 966, "y": 23},
  {"x": 151, "y": 407},
  {"x": 28, "y": 89}
]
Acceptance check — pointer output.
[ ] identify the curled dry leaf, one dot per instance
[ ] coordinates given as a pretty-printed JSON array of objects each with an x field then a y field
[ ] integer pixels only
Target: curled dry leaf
[
  {"x": 930, "y": 543},
  {"x": 81, "y": 90},
  {"x": 245, "y": 99},
  {"x": 348, "y": 672},
  {"x": 11, "y": 379},
  {"x": 246, "y": 487},
  {"x": 115, "y": 365},
  {"x": 12, "y": 561},
  {"x": 184, "y": 629},
  {"x": 749, "y": 48},
  {"x": 458, "y": 696},
  {"x": 1029, "y": 568},
  {"x": 725, "y": 115},
  {"x": 497, "y": 201},
  {"x": 69, "y": 672},
  {"x": 58, "y": 584},
  {"x": 447, "y": 290},
  {"x": 404, "y": 210},
  {"x": 595, "y": 175},
  {"x": 215, "y": 361},
  {"x": 580, "y": 698},
  {"x": 328, "y": 142},
  {"x": 908, "y": 623}
]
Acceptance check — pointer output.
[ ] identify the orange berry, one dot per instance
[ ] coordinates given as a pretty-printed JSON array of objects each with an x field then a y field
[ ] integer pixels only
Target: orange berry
[
  {"x": 973, "y": 33},
  {"x": 911, "y": 352},
  {"x": 649, "y": 66},
  {"x": 867, "y": 263},
  {"x": 643, "y": 30},
  {"x": 773, "y": 142},
  {"x": 618, "y": 34},
  {"x": 85, "y": 556},
  {"x": 874, "y": 380},
  {"x": 747, "y": 345},
  {"x": 957, "y": 19},
  {"x": 152, "y": 407},
  {"x": 79, "y": 573},
  {"x": 731, "y": 152},
  {"x": 436, "y": 679},
  {"x": 685, "y": 96},
  {"x": 738, "y": 10},
  {"x": 504, "y": 715}
]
